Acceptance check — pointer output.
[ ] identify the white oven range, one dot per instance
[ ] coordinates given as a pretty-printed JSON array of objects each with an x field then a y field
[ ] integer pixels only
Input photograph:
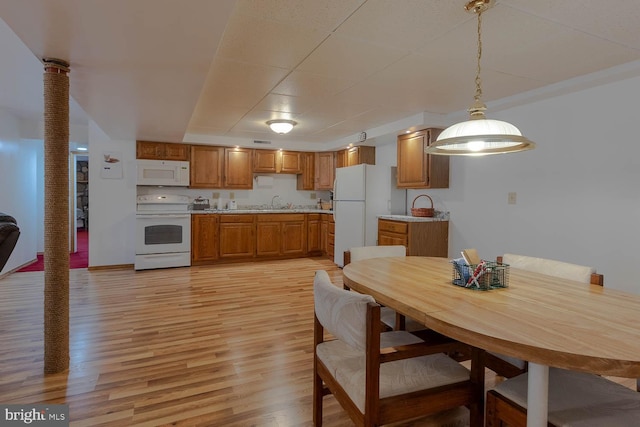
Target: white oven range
[{"x": 163, "y": 231}]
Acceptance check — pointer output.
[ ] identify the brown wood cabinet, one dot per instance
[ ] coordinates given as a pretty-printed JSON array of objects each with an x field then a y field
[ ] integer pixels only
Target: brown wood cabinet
[
  {"x": 264, "y": 161},
  {"x": 361, "y": 154},
  {"x": 204, "y": 238},
  {"x": 331, "y": 236},
  {"x": 306, "y": 179},
  {"x": 281, "y": 235},
  {"x": 417, "y": 169},
  {"x": 237, "y": 168},
  {"x": 237, "y": 236},
  {"x": 421, "y": 238},
  {"x": 276, "y": 161},
  {"x": 325, "y": 170},
  {"x": 289, "y": 162},
  {"x": 161, "y": 150},
  {"x": 313, "y": 234},
  {"x": 206, "y": 166}
]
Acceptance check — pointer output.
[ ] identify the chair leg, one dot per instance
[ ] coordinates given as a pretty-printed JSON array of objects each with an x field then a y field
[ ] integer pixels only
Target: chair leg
[{"x": 317, "y": 398}]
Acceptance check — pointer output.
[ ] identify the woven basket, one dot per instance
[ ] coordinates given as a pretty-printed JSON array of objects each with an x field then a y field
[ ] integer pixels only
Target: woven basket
[{"x": 424, "y": 212}]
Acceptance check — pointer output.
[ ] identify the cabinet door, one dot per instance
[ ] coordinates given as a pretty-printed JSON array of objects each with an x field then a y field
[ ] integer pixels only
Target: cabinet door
[
  {"x": 237, "y": 239},
  {"x": 416, "y": 169},
  {"x": 289, "y": 162},
  {"x": 306, "y": 179},
  {"x": 325, "y": 170},
  {"x": 342, "y": 159},
  {"x": 294, "y": 237},
  {"x": 206, "y": 166},
  {"x": 268, "y": 237},
  {"x": 352, "y": 157},
  {"x": 313, "y": 234},
  {"x": 324, "y": 233},
  {"x": 149, "y": 150},
  {"x": 237, "y": 168},
  {"x": 176, "y": 151},
  {"x": 412, "y": 160},
  {"x": 265, "y": 161},
  {"x": 204, "y": 237}
]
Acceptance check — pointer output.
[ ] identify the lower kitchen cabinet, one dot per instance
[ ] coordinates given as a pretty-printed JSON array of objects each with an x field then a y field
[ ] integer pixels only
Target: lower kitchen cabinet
[
  {"x": 281, "y": 235},
  {"x": 331, "y": 236},
  {"x": 237, "y": 236},
  {"x": 314, "y": 229},
  {"x": 421, "y": 238},
  {"x": 204, "y": 238}
]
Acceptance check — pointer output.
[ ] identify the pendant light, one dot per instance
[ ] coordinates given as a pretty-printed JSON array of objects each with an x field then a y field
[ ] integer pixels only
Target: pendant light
[
  {"x": 281, "y": 126},
  {"x": 479, "y": 136}
]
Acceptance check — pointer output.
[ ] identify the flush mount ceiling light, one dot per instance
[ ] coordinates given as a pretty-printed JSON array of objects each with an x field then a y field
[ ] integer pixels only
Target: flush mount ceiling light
[
  {"x": 479, "y": 136},
  {"x": 281, "y": 126}
]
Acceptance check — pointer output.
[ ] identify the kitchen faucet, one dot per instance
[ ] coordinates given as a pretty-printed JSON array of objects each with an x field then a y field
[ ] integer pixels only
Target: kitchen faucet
[{"x": 279, "y": 202}]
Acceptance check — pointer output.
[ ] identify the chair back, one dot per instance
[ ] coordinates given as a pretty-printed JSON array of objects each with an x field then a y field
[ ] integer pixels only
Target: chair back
[
  {"x": 366, "y": 252},
  {"x": 340, "y": 312},
  {"x": 550, "y": 267}
]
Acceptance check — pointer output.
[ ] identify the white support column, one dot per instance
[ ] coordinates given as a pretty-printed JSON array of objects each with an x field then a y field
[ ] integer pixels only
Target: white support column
[{"x": 537, "y": 395}]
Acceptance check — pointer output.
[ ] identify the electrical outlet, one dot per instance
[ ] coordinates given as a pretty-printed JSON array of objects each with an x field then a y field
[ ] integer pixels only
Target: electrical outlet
[
  {"x": 232, "y": 195},
  {"x": 215, "y": 195},
  {"x": 313, "y": 196},
  {"x": 511, "y": 198}
]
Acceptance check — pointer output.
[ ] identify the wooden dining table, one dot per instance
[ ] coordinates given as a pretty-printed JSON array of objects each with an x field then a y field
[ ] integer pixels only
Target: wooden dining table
[{"x": 548, "y": 321}]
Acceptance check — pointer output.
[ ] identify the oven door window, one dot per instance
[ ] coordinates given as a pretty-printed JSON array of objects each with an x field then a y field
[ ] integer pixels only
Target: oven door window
[{"x": 162, "y": 234}]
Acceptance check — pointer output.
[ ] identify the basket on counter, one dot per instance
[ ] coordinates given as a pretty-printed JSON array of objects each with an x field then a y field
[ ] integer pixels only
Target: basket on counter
[
  {"x": 494, "y": 275},
  {"x": 424, "y": 212}
]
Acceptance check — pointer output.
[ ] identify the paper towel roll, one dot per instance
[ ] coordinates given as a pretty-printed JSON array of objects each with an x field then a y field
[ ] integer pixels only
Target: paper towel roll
[{"x": 263, "y": 181}]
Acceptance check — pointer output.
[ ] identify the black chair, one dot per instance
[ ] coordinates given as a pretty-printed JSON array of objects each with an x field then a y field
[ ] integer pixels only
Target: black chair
[{"x": 9, "y": 233}]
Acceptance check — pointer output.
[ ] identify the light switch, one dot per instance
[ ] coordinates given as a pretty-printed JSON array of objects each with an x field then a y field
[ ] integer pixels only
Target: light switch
[
  {"x": 313, "y": 196},
  {"x": 511, "y": 198}
]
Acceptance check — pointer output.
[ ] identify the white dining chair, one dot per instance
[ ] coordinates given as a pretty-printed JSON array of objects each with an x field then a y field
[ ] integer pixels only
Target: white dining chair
[
  {"x": 388, "y": 316},
  {"x": 507, "y": 366},
  {"x": 386, "y": 377}
]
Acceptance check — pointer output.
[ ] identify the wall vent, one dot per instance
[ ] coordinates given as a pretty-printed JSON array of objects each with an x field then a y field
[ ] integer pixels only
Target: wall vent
[{"x": 255, "y": 141}]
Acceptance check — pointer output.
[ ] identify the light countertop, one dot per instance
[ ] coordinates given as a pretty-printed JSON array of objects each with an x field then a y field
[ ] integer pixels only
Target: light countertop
[{"x": 409, "y": 218}]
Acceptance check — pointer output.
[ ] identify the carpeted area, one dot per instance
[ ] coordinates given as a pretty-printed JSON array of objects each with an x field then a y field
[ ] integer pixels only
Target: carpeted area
[{"x": 79, "y": 259}]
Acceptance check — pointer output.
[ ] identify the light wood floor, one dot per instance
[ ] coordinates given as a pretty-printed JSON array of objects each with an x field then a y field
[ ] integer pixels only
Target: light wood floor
[{"x": 226, "y": 345}]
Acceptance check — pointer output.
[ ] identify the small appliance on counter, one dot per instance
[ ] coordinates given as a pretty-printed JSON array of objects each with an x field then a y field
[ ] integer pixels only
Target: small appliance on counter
[
  {"x": 232, "y": 205},
  {"x": 200, "y": 204}
]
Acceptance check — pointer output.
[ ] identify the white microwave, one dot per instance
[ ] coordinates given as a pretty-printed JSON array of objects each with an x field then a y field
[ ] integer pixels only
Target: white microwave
[{"x": 163, "y": 172}]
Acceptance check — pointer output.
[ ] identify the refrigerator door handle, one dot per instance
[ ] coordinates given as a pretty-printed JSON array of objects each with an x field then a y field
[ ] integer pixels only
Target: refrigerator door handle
[{"x": 333, "y": 211}]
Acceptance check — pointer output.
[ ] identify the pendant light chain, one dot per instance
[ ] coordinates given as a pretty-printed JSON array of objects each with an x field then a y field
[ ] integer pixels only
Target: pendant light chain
[{"x": 478, "y": 81}]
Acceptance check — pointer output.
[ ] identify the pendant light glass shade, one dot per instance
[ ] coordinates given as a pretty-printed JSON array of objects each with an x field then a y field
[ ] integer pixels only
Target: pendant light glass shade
[
  {"x": 479, "y": 136},
  {"x": 281, "y": 126}
]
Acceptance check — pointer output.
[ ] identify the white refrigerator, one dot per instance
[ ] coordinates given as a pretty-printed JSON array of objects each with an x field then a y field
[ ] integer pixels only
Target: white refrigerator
[{"x": 360, "y": 194}]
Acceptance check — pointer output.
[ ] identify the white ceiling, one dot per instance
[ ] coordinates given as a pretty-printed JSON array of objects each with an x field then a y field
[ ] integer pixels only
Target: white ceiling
[{"x": 199, "y": 70}]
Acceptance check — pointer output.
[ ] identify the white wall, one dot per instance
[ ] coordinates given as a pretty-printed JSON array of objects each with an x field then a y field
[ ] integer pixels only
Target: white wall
[
  {"x": 19, "y": 188},
  {"x": 112, "y": 203},
  {"x": 578, "y": 198}
]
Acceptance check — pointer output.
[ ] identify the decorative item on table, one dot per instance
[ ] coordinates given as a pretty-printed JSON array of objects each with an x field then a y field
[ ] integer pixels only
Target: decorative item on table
[
  {"x": 471, "y": 272},
  {"x": 422, "y": 212},
  {"x": 200, "y": 204}
]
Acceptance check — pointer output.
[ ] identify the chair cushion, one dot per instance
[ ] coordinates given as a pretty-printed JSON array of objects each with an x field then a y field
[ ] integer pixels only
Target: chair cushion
[
  {"x": 550, "y": 267},
  {"x": 347, "y": 365},
  {"x": 365, "y": 252},
  {"x": 580, "y": 400},
  {"x": 340, "y": 312}
]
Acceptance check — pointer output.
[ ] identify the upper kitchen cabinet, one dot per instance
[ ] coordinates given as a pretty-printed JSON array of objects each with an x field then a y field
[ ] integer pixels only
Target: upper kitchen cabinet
[
  {"x": 265, "y": 161},
  {"x": 289, "y": 162},
  {"x": 417, "y": 169},
  {"x": 206, "y": 166},
  {"x": 306, "y": 179},
  {"x": 276, "y": 161},
  {"x": 362, "y": 154},
  {"x": 325, "y": 170},
  {"x": 238, "y": 168},
  {"x": 161, "y": 150}
]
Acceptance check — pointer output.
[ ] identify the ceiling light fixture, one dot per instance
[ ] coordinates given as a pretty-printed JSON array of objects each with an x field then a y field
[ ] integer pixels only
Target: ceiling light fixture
[
  {"x": 281, "y": 126},
  {"x": 479, "y": 136}
]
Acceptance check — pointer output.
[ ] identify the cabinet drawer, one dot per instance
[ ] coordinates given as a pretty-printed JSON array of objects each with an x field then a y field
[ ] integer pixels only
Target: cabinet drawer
[
  {"x": 280, "y": 217},
  {"x": 236, "y": 218},
  {"x": 392, "y": 226}
]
